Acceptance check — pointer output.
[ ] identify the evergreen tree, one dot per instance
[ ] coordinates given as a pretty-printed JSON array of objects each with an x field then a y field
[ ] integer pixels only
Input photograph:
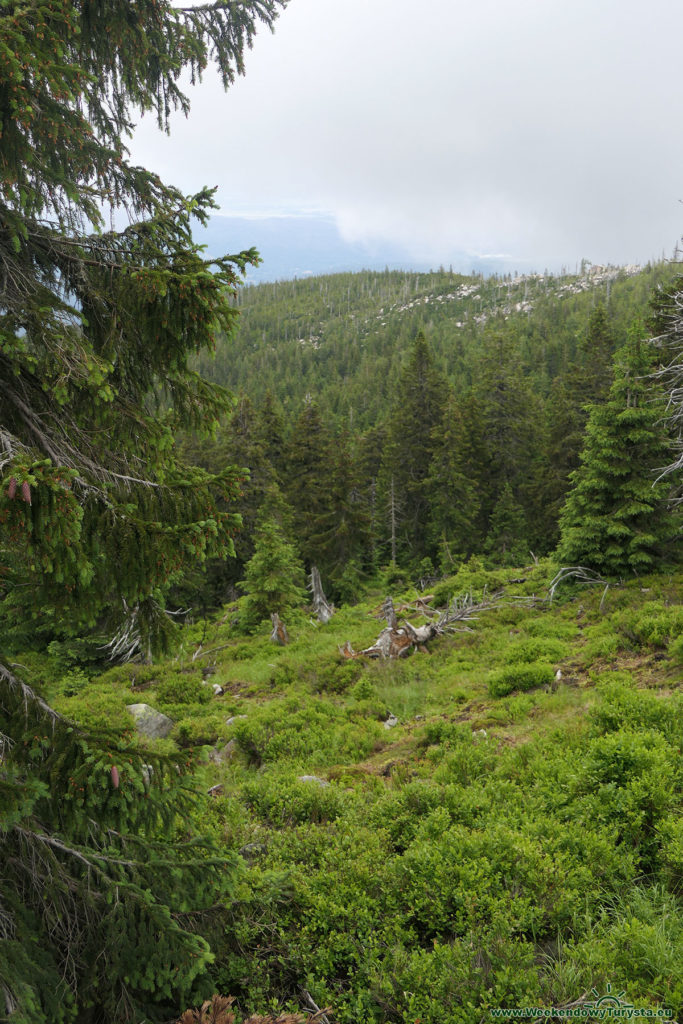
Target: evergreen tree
[
  {"x": 274, "y": 578},
  {"x": 666, "y": 322},
  {"x": 101, "y": 908},
  {"x": 507, "y": 416},
  {"x": 342, "y": 528},
  {"x": 616, "y": 519},
  {"x": 97, "y": 327},
  {"x": 597, "y": 348},
  {"x": 421, "y": 395},
  {"x": 307, "y": 479},
  {"x": 453, "y": 499},
  {"x": 100, "y": 905},
  {"x": 562, "y": 441},
  {"x": 505, "y": 539}
]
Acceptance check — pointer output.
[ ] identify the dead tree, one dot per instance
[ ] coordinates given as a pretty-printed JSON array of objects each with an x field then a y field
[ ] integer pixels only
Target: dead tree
[
  {"x": 321, "y": 606},
  {"x": 279, "y": 634},
  {"x": 397, "y": 640}
]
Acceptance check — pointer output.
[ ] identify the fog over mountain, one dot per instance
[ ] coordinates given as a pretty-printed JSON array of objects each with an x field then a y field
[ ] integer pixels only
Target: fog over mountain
[
  {"x": 541, "y": 129},
  {"x": 300, "y": 246}
]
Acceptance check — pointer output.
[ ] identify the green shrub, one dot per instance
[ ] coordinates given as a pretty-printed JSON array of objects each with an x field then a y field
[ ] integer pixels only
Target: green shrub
[
  {"x": 445, "y": 732},
  {"x": 279, "y": 803},
  {"x": 316, "y": 733},
  {"x": 623, "y": 705},
  {"x": 520, "y": 677},
  {"x": 181, "y": 688},
  {"x": 676, "y": 649},
  {"x": 536, "y": 649},
  {"x": 552, "y": 627},
  {"x": 197, "y": 732},
  {"x": 653, "y": 625},
  {"x": 72, "y": 683}
]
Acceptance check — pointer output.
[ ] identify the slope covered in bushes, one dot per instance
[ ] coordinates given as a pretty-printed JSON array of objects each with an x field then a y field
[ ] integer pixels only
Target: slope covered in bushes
[{"x": 495, "y": 823}]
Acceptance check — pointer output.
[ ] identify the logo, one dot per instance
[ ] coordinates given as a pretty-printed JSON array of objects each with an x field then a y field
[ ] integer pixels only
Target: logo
[{"x": 609, "y": 1006}]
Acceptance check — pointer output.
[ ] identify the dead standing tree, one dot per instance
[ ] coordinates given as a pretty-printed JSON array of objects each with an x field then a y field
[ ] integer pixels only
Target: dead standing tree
[
  {"x": 322, "y": 608},
  {"x": 399, "y": 638}
]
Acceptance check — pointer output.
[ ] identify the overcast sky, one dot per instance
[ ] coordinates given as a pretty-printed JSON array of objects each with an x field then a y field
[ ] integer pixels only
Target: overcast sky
[{"x": 545, "y": 130}]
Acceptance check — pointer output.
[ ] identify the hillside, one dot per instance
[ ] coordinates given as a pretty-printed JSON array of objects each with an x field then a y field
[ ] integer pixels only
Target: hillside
[
  {"x": 495, "y": 823},
  {"x": 344, "y": 338}
]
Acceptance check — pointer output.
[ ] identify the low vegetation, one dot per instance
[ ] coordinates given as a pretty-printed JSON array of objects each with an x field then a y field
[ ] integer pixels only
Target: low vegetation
[{"x": 495, "y": 823}]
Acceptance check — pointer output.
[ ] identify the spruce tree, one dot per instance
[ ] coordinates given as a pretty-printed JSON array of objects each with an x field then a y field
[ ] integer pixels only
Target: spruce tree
[
  {"x": 274, "y": 577},
  {"x": 306, "y": 479},
  {"x": 97, "y": 326},
  {"x": 421, "y": 395},
  {"x": 505, "y": 540},
  {"x": 453, "y": 499},
  {"x": 616, "y": 520},
  {"x": 100, "y": 906}
]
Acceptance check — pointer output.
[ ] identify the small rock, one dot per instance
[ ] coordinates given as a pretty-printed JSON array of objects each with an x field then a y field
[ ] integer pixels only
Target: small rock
[
  {"x": 479, "y": 734},
  {"x": 313, "y": 778},
  {"x": 147, "y": 773},
  {"x": 390, "y": 722},
  {"x": 224, "y": 754},
  {"x": 216, "y": 790},
  {"x": 558, "y": 675},
  {"x": 252, "y": 850},
  {"x": 235, "y": 718},
  {"x": 149, "y": 722},
  {"x": 217, "y": 690}
]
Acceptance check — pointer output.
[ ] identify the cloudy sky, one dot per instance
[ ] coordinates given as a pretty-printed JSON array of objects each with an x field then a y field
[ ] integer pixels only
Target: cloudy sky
[{"x": 540, "y": 130}]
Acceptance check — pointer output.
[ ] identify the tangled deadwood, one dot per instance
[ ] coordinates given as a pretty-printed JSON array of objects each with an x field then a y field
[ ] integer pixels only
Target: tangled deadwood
[
  {"x": 400, "y": 637},
  {"x": 579, "y": 574}
]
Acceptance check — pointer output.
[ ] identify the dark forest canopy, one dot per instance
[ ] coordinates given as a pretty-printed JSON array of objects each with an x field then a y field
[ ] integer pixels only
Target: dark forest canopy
[{"x": 422, "y": 417}]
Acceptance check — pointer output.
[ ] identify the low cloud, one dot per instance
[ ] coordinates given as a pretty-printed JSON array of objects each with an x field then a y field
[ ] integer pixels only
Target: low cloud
[{"x": 545, "y": 130}]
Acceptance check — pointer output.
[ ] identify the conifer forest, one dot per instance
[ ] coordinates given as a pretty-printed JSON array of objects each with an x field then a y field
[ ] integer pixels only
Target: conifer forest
[{"x": 341, "y": 617}]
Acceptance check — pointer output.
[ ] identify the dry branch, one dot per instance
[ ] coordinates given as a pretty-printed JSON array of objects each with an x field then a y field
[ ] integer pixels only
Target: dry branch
[{"x": 398, "y": 639}]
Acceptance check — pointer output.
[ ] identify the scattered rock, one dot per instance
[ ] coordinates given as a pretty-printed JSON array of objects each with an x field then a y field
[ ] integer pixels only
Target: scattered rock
[
  {"x": 217, "y": 690},
  {"x": 235, "y": 718},
  {"x": 252, "y": 850},
  {"x": 149, "y": 722},
  {"x": 313, "y": 778},
  {"x": 216, "y": 790},
  {"x": 479, "y": 734},
  {"x": 224, "y": 754},
  {"x": 390, "y": 722}
]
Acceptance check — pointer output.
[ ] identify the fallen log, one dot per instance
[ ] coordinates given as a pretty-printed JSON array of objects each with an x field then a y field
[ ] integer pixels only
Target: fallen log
[{"x": 399, "y": 640}]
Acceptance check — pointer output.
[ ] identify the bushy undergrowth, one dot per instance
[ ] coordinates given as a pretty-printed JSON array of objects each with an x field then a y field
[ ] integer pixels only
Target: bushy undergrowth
[
  {"x": 507, "y": 839},
  {"x": 521, "y": 676}
]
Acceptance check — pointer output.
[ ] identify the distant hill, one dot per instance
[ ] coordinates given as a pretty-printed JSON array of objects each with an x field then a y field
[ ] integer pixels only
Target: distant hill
[
  {"x": 303, "y": 246},
  {"x": 344, "y": 337}
]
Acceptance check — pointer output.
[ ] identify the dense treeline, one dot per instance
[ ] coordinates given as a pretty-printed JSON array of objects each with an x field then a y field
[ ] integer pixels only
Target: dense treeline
[{"x": 418, "y": 419}]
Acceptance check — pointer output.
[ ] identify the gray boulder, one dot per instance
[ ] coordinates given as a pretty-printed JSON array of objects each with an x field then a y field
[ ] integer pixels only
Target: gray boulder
[
  {"x": 149, "y": 722},
  {"x": 313, "y": 778},
  {"x": 224, "y": 754}
]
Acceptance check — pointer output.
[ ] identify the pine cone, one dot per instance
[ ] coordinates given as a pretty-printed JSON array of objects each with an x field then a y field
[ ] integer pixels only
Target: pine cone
[
  {"x": 115, "y": 776},
  {"x": 26, "y": 492},
  {"x": 12, "y": 489}
]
